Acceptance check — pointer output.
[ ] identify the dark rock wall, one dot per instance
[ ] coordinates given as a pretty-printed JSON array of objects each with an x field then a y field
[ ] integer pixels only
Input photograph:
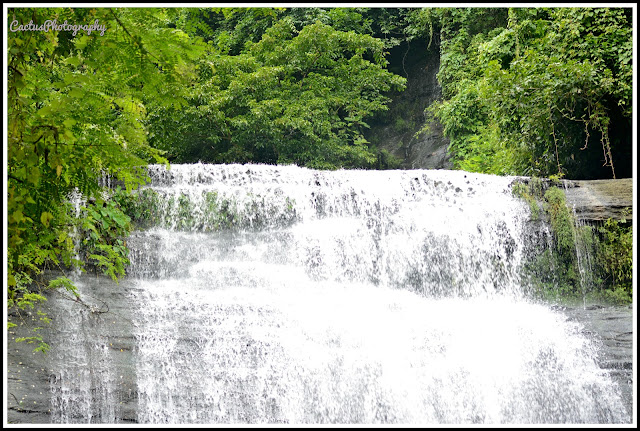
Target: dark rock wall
[
  {"x": 612, "y": 328},
  {"x": 88, "y": 375},
  {"x": 395, "y": 130}
]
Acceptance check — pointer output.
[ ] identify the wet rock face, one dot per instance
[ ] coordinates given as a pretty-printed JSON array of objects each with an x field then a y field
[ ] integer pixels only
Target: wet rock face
[
  {"x": 27, "y": 378},
  {"x": 612, "y": 327},
  {"x": 598, "y": 200},
  {"x": 34, "y": 379},
  {"x": 88, "y": 374},
  {"x": 395, "y": 130}
]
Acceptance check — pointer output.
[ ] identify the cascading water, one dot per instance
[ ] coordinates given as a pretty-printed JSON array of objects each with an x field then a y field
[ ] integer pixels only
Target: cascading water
[{"x": 262, "y": 294}]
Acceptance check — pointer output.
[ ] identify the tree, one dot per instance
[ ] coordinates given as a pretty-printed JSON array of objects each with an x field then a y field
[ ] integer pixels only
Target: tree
[
  {"x": 528, "y": 93},
  {"x": 77, "y": 99},
  {"x": 293, "y": 97}
]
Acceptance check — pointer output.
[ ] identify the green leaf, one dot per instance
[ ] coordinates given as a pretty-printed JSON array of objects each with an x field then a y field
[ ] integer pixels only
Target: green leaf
[
  {"x": 81, "y": 42},
  {"x": 45, "y": 111},
  {"x": 46, "y": 218},
  {"x": 74, "y": 61}
]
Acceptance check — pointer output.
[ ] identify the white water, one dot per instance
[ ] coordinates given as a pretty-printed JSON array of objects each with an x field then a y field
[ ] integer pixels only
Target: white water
[
  {"x": 437, "y": 232},
  {"x": 350, "y": 297}
]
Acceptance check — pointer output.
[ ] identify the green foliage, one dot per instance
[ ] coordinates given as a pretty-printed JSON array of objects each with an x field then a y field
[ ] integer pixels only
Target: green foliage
[
  {"x": 386, "y": 160},
  {"x": 551, "y": 278},
  {"x": 616, "y": 259},
  {"x": 104, "y": 227},
  {"x": 208, "y": 212},
  {"x": 76, "y": 109},
  {"x": 219, "y": 213},
  {"x": 293, "y": 97},
  {"x": 526, "y": 90},
  {"x": 563, "y": 255},
  {"x": 554, "y": 273},
  {"x": 584, "y": 260},
  {"x": 205, "y": 132},
  {"x": 42, "y": 346},
  {"x": 227, "y": 29},
  {"x": 139, "y": 206},
  {"x": 561, "y": 220},
  {"x": 531, "y": 192},
  {"x": 64, "y": 282}
]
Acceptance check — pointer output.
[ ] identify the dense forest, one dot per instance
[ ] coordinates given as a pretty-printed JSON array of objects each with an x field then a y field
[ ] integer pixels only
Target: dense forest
[{"x": 95, "y": 92}]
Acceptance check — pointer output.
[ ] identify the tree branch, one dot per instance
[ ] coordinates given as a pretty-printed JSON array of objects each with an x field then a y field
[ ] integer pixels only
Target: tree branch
[{"x": 133, "y": 38}]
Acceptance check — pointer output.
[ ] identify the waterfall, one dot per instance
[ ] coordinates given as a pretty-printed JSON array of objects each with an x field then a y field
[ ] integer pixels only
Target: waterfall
[
  {"x": 278, "y": 294},
  {"x": 436, "y": 232}
]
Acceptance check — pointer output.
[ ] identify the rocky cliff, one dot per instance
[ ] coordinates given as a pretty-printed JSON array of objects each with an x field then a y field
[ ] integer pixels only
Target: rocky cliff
[
  {"x": 598, "y": 200},
  {"x": 395, "y": 130}
]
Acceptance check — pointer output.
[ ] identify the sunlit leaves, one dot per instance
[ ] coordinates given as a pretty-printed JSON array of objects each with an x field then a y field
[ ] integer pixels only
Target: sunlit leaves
[
  {"x": 293, "y": 97},
  {"x": 45, "y": 218},
  {"x": 76, "y": 111}
]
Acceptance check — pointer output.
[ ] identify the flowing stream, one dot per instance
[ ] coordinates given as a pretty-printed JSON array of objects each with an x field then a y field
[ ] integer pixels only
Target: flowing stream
[{"x": 263, "y": 294}]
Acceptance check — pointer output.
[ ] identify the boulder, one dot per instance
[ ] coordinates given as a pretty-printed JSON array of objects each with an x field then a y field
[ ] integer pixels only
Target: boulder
[{"x": 598, "y": 200}]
